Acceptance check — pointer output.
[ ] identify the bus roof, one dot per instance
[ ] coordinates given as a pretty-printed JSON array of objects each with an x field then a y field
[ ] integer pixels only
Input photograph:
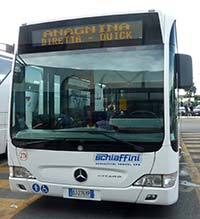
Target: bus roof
[
  {"x": 96, "y": 15},
  {"x": 6, "y": 50}
]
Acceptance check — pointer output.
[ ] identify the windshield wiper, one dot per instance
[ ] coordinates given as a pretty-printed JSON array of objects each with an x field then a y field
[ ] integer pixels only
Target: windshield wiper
[
  {"x": 136, "y": 147},
  {"x": 98, "y": 132},
  {"x": 105, "y": 133},
  {"x": 35, "y": 142}
]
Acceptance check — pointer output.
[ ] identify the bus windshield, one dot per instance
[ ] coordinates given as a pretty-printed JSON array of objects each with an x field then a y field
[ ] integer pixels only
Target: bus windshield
[
  {"x": 5, "y": 66},
  {"x": 90, "y": 95}
]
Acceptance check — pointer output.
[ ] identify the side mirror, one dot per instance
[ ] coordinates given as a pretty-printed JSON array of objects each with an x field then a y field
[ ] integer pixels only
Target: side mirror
[
  {"x": 19, "y": 72},
  {"x": 183, "y": 67}
]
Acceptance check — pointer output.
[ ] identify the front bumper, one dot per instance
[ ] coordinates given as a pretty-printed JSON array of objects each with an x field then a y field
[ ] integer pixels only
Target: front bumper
[{"x": 131, "y": 194}]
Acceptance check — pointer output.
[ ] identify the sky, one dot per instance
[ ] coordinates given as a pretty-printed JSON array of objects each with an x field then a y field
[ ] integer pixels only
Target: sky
[{"x": 16, "y": 12}]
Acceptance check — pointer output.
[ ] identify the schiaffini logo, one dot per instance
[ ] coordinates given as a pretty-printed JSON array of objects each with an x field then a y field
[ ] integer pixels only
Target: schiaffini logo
[{"x": 118, "y": 159}]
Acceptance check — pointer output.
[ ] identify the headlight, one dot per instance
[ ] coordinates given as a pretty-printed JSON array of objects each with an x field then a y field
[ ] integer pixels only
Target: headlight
[
  {"x": 20, "y": 172},
  {"x": 169, "y": 180},
  {"x": 165, "y": 181},
  {"x": 150, "y": 181}
]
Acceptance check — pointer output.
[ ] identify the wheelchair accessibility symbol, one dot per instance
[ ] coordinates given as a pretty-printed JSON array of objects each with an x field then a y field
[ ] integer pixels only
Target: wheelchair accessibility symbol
[
  {"x": 44, "y": 189},
  {"x": 37, "y": 188}
]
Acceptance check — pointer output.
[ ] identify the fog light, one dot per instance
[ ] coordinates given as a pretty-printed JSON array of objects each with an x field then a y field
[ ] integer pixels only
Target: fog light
[{"x": 151, "y": 197}]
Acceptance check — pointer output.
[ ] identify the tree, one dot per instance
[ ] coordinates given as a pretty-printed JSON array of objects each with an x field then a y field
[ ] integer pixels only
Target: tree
[{"x": 190, "y": 92}]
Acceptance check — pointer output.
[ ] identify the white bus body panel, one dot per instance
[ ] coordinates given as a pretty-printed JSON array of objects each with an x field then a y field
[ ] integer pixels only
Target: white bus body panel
[
  {"x": 4, "y": 100},
  {"x": 109, "y": 182},
  {"x": 59, "y": 166}
]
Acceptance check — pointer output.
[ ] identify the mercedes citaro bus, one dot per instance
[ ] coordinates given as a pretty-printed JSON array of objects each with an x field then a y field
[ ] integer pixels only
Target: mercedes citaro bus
[{"x": 93, "y": 111}]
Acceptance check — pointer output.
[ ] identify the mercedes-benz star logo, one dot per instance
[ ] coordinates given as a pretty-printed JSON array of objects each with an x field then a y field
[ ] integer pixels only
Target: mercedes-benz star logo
[{"x": 80, "y": 175}]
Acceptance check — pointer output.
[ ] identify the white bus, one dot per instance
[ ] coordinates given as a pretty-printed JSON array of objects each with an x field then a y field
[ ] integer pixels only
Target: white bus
[
  {"x": 6, "y": 57},
  {"x": 94, "y": 109}
]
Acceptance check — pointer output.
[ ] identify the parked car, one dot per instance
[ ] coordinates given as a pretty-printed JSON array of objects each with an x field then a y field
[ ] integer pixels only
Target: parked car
[
  {"x": 196, "y": 111},
  {"x": 181, "y": 111}
]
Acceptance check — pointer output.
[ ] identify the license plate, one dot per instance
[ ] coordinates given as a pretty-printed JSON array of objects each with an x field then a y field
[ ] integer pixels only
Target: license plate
[{"x": 81, "y": 193}]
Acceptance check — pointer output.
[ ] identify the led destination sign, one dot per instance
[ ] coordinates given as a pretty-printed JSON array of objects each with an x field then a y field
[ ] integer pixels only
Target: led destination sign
[{"x": 88, "y": 33}]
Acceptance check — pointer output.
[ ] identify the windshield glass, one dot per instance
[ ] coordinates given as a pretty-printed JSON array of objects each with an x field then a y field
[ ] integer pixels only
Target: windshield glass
[
  {"x": 97, "y": 95},
  {"x": 5, "y": 67}
]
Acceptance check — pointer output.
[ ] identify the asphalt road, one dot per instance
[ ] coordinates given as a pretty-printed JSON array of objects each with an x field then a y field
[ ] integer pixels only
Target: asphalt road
[
  {"x": 190, "y": 124},
  {"x": 57, "y": 208}
]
